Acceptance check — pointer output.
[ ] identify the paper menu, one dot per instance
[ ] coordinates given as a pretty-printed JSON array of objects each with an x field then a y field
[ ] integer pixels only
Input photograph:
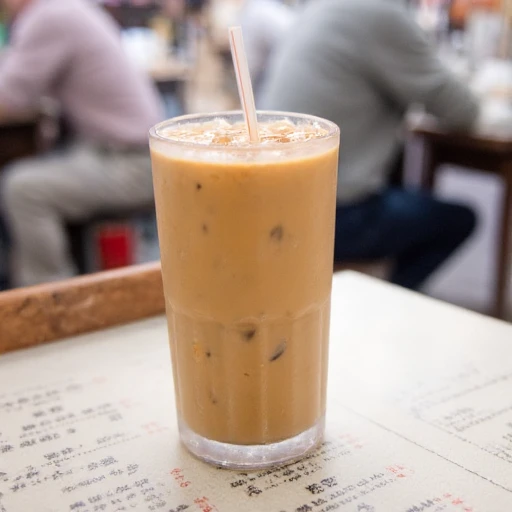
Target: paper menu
[
  {"x": 89, "y": 425},
  {"x": 438, "y": 375}
]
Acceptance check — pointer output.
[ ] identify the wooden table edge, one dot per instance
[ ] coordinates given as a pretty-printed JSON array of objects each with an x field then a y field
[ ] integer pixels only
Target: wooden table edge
[
  {"x": 479, "y": 141},
  {"x": 49, "y": 312}
]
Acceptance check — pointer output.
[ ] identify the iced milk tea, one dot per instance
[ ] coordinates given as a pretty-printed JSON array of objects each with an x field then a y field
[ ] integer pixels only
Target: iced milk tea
[{"x": 246, "y": 239}]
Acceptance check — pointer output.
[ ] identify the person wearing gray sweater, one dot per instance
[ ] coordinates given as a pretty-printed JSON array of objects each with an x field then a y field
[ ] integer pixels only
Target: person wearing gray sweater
[{"x": 362, "y": 64}]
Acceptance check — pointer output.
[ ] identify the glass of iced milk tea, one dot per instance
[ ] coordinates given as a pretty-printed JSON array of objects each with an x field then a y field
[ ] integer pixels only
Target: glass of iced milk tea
[{"x": 246, "y": 237}]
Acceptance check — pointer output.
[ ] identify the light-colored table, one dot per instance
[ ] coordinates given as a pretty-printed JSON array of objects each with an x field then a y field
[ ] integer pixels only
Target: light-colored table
[{"x": 419, "y": 419}]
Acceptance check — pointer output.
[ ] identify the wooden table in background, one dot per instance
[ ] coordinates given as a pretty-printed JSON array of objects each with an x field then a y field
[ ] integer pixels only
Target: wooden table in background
[
  {"x": 418, "y": 408},
  {"x": 19, "y": 138},
  {"x": 484, "y": 153}
]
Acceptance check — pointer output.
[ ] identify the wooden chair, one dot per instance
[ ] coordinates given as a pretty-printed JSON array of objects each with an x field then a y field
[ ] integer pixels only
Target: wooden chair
[
  {"x": 485, "y": 154},
  {"x": 19, "y": 138}
]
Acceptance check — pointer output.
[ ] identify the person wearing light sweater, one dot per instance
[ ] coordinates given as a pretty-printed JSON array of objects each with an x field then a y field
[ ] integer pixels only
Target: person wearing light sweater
[
  {"x": 362, "y": 64},
  {"x": 71, "y": 50}
]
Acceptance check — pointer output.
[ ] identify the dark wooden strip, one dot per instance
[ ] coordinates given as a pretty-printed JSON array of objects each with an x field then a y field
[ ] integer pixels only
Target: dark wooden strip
[{"x": 39, "y": 314}]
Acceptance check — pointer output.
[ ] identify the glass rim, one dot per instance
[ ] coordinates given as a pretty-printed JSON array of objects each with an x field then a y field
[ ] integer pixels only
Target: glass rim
[{"x": 155, "y": 131}]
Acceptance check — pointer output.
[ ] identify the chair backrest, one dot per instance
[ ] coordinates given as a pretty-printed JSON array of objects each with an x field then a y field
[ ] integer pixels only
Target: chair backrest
[{"x": 39, "y": 314}]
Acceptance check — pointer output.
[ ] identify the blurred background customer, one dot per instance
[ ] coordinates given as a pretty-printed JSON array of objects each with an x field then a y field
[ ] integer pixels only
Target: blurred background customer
[
  {"x": 71, "y": 51},
  {"x": 362, "y": 64}
]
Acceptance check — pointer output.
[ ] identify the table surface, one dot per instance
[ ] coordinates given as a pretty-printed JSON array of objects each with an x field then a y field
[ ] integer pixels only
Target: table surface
[{"x": 419, "y": 418}]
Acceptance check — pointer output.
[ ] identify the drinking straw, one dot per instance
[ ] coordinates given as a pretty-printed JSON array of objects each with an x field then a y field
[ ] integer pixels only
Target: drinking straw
[{"x": 243, "y": 79}]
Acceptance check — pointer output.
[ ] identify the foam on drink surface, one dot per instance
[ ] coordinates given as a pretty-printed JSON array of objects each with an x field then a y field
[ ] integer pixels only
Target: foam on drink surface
[{"x": 220, "y": 132}]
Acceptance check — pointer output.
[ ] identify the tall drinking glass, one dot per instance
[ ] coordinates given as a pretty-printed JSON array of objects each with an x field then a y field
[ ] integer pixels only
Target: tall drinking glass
[{"x": 246, "y": 238}]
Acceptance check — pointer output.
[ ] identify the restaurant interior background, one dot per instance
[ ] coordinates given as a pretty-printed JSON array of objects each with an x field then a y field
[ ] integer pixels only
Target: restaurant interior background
[{"x": 184, "y": 47}]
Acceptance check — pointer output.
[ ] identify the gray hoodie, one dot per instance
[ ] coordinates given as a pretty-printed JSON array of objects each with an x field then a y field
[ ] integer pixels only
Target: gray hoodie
[{"x": 361, "y": 64}]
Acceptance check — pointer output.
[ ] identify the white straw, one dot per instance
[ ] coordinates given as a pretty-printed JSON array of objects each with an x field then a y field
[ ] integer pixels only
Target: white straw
[{"x": 243, "y": 79}]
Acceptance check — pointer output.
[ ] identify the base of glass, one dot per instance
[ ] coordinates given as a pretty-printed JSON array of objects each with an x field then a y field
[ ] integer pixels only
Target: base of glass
[{"x": 249, "y": 457}]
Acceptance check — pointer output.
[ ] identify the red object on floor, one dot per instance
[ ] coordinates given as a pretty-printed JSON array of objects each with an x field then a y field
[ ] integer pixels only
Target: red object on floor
[{"x": 116, "y": 244}]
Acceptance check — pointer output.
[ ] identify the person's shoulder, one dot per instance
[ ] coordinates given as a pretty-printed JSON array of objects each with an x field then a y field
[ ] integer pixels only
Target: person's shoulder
[
  {"x": 59, "y": 14},
  {"x": 371, "y": 13},
  {"x": 386, "y": 15},
  {"x": 383, "y": 10},
  {"x": 379, "y": 20},
  {"x": 49, "y": 16}
]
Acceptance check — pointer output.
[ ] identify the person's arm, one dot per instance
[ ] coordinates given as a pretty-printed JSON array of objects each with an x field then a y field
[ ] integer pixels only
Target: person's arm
[
  {"x": 405, "y": 65},
  {"x": 32, "y": 64}
]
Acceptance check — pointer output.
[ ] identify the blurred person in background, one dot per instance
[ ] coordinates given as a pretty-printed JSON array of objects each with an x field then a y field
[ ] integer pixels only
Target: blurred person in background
[
  {"x": 70, "y": 50},
  {"x": 362, "y": 64},
  {"x": 264, "y": 24}
]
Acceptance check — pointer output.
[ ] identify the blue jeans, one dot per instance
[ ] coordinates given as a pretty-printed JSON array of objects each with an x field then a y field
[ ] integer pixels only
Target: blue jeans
[{"x": 417, "y": 232}]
